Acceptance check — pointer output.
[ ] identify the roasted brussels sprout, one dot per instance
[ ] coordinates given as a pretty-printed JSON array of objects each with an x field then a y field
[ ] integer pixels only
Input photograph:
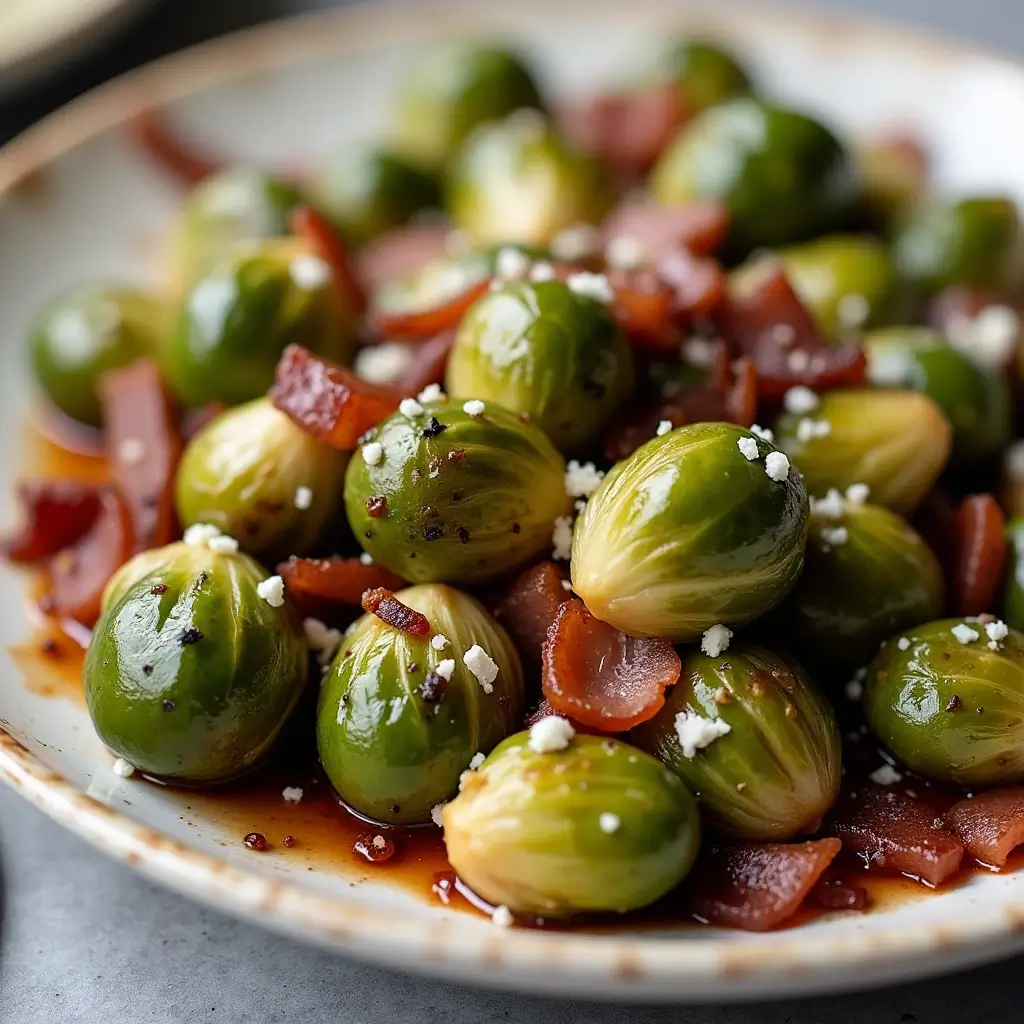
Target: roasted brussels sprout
[
  {"x": 947, "y": 698},
  {"x": 453, "y": 89},
  {"x": 365, "y": 191},
  {"x": 896, "y": 442},
  {"x": 702, "y": 525},
  {"x": 1013, "y": 594},
  {"x": 783, "y": 176},
  {"x": 236, "y": 321},
  {"x": 463, "y": 492},
  {"x": 258, "y": 477},
  {"x": 545, "y": 350},
  {"x": 976, "y": 401},
  {"x": 85, "y": 332},
  {"x": 595, "y": 826},
  {"x": 517, "y": 181},
  {"x": 894, "y": 173},
  {"x": 867, "y": 574},
  {"x": 770, "y": 768},
  {"x": 399, "y": 720},
  {"x": 973, "y": 242},
  {"x": 191, "y": 674},
  {"x": 704, "y": 73}
]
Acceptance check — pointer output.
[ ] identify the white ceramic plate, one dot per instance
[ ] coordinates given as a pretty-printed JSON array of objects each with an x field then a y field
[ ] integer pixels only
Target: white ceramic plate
[{"x": 77, "y": 201}]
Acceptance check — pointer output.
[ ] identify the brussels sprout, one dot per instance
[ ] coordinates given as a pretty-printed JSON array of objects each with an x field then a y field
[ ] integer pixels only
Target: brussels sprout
[
  {"x": 704, "y": 73},
  {"x": 440, "y": 493},
  {"x": 783, "y": 176},
  {"x": 366, "y": 191},
  {"x": 950, "y": 704},
  {"x": 394, "y": 731},
  {"x": 973, "y": 242},
  {"x": 85, "y": 332},
  {"x": 236, "y": 206},
  {"x": 453, "y": 89},
  {"x": 896, "y": 442},
  {"x": 237, "y": 320},
  {"x": 894, "y": 172},
  {"x": 976, "y": 401},
  {"x": 689, "y": 532},
  {"x": 1013, "y": 594},
  {"x": 191, "y": 674},
  {"x": 258, "y": 477},
  {"x": 517, "y": 181},
  {"x": 774, "y": 772},
  {"x": 866, "y": 575},
  {"x": 597, "y": 826},
  {"x": 544, "y": 350}
]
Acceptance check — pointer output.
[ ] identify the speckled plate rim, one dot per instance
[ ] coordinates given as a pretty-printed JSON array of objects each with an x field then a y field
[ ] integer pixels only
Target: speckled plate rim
[{"x": 617, "y": 966}]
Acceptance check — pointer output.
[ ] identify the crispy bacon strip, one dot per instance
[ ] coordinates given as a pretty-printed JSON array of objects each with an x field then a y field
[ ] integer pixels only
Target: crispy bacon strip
[
  {"x": 187, "y": 163},
  {"x": 57, "y": 513},
  {"x": 423, "y": 324},
  {"x": 382, "y": 602},
  {"x": 529, "y": 605},
  {"x": 699, "y": 285},
  {"x": 336, "y": 580},
  {"x": 311, "y": 226},
  {"x": 990, "y": 825},
  {"x": 399, "y": 253},
  {"x": 980, "y": 554},
  {"x": 701, "y": 226},
  {"x": 643, "y": 307}
]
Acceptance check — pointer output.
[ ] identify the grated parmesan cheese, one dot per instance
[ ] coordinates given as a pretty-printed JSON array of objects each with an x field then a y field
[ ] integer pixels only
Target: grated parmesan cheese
[
  {"x": 696, "y": 732},
  {"x": 549, "y": 734},
  {"x": 593, "y": 286},
  {"x": 581, "y": 480},
  {"x": 410, "y": 407},
  {"x": 271, "y": 590},
  {"x": 303, "y": 498},
  {"x": 885, "y": 776},
  {"x": 715, "y": 640},
  {"x": 964, "y": 634},
  {"x": 482, "y": 665},
  {"x": 384, "y": 363},
  {"x": 776, "y": 465},
  {"x": 474, "y": 407},
  {"x": 609, "y": 823},
  {"x": 800, "y": 400},
  {"x": 561, "y": 538},
  {"x": 125, "y": 769},
  {"x": 373, "y": 453},
  {"x": 291, "y": 794},
  {"x": 664, "y": 426},
  {"x": 748, "y": 446}
]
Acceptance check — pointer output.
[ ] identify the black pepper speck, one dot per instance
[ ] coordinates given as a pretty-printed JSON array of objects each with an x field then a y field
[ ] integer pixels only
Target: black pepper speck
[
  {"x": 433, "y": 428},
  {"x": 433, "y": 533},
  {"x": 168, "y": 705},
  {"x": 189, "y": 636}
]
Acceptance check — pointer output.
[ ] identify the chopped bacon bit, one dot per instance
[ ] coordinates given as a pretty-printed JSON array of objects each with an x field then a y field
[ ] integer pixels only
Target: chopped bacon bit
[
  {"x": 601, "y": 677},
  {"x": 423, "y": 324},
  {"x": 699, "y": 285},
  {"x": 643, "y": 308},
  {"x": 137, "y": 411},
  {"x": 329, "y": 401},
  {"x": 310, "y": 581},
  {"x": 429, "y": 364},
  {"x": 894, "y": 833},
  {"x": 57, "y": 513},
  {"x": 197, "y": 419},
  {"x": 838, "y": 893},
  {"x": 990, "y": 825},
  {"x": 529, "y": 606},
  {"x": 382, "y": 602},
  {"x": 741, "y": 396},
  {"x": 756, "y": 886},
  {"x": 401, "y": 252},
  {"x": 188, "y": 164},
  {"x": 314, "y": 228},
  {"x": 377, "y": 506},
  {"x": 980, "y": 554},
  {"x": 701, "y": 226}
]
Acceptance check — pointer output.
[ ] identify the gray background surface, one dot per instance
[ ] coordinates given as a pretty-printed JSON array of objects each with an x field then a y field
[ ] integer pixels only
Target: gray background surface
[{"x": 86, "y": 940}]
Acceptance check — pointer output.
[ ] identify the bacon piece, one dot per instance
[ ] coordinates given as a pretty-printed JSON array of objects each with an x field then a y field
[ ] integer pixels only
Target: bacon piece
[
  {"x": 529, "y": 605},
  {"x": 896, "y": 834},
  {"x": 311, "y": 226},
  {"x": 430, "y": 361},
  {"x": 756, "y": 886},
  {"x": 401, "y": 252},
  {"x": 701, "y": 226},
  {"x": 382, "y": 602},
  {"x": 603, "y": 678},
  {"x": 980, "y": 554},
  {"x": 990, "y": 824},
  {"x": 643, "y": 308},
  {"x": 741, "y": 396},
  {"x": 311, "y": 581},
  {"x": 143, "y": 447},
  {"x": 56, "y": 514},
  {"x": 422, "y": 324},
  {"x": 329, "y": 401},
  {"x": 699, "y": 285},
  {"x": 187, "y": 163},
  {"x": 838, "y": 893}
]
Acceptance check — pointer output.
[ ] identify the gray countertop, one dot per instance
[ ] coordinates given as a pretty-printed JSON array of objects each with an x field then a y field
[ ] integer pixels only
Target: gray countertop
[{"x": 84, "y": 940}]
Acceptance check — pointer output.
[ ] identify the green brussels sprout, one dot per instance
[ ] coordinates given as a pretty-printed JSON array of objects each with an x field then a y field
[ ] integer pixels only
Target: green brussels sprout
[
  {"x": 85, "y": 332},
  {"x": 190, "y": 674},
  {"x": 976, "y": 401},
  {"x": 951, "y": 707},
  {"x": 517, "y": 181},
  {"x": 895, "y": 175},
  {"x": 867, "y": 574},
  {"x": 258, "y": 477},
  {"x": 452, "y": 90},
  {"x": 366, "y": 191},
  {"x": 597, "y": 826},
  {"x": 689, "y": 532},
  {"x": 236, "y": 321},
  {"x": 773, "y": 769},
  {"x": 542, "y": 349},
  {"x": 896, "y": 442},
  {"x": 974, "y": 242},
  {"x": 704, "y": 73},
  {"x": 443, "y": 494},
  {"x": 394, "y": 731},
  {"x": 236, "y": 206},
  {"x": 1013, "y": 593},
  {"x": 783, "y": 176}
]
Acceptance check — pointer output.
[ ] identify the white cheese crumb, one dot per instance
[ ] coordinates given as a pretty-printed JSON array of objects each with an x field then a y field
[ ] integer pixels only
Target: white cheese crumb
[
  {"x": 832, "y": 506},
  {"x": 200, "y": 534},
  {"x": 748, "y": 446},
  {"x": 445, "y": 668},
  {"x": 309, "y": 272},
  {"x": 776, "y": 465},
  {"x": 997, "y": 631},
  {"x": 271, "y": 590},
  {"x": 511, "y": 264},
  {"x": 477, "y": 759},
  {"x": 609, "y": 823},
  {"x": 798, "y": 360},
  {"x": 835, "y": 535},
  {"x": 593, "y": 286},
  {"x": 903, "y": 643},
  {"x": 123, "y": 768},
  {"x": 131, "y": 452},
  {"x": 575, "y": 242},
  {"x": 854, "y": 690},
  {"x": 696, "y": 732},
  {"x": 567, "y": 584},
  {"x": 581, "y": 480},
  {"x": 303, "y": 498},
  {"x": 549, "y": 734},
  {"x": 222, "y": 544},
  {"x": 439, "y": 642},
  {"x": 366, "y": 558},
  {"x": 889, "y": 367},
  {"x": 965, "y": 634},
  {"x": 379, "y": 842},
  {"x": 664, "y": 426},
  {"x": 885, "y": 776},
  {"x": 715, "y": 640},
  {"x": 989, "y": 339},
  {"x": 291, "y": 794},
  {"x": 783, "y": 334},
  {"x": 625, "y": 253},
  {"x": 857, "y": 494},
  {"x": 800, "y": 400},
  {"x": 384, "y": 363},
  {"x": 853, "y": 310},
  {"x": 373, "y": 453},
  {"x": 542, "y": 271},
  {"x": 437, "y": 814},
  {"x": 699, "y": 351},
  {"x": 410, "y": 407},
  {"x": 502, "y": 917},
  {"x": 321, "y": 640},
  {"x": 808, "y": 429},
  {"x": 740, "y": 786},
  {"x": 763, "y": 432},
  {"x": 561, "y": 538},
  {"x": 431, "y": 393},
  {"x": 482, "y": 665},
  {"x": 474, "y": 407}
]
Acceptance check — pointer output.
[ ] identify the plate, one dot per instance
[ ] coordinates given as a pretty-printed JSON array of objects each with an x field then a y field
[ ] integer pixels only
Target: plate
[{"x": 78, "y": 201}]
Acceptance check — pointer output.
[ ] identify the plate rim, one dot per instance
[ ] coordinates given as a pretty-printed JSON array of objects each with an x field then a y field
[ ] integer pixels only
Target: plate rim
[{"x": 618, "y": 965}]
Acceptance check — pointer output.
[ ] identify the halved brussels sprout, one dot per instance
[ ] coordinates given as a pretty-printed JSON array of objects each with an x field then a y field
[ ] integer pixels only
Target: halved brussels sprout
[
  {"x": 947, "y": 699},
  {"x": 442, "y": 493},
  {"x": 690, "y": 531},
  {"x": 190, "y": 674},
  {"x": 399, "y": 720},
  {"x": 258, "y": 477},
  {"x": 544, "y": 350},
  {"x": 704, "y": 73},
  {"x": 236, "y": 321},
  {"x": 83, "y": 333},
  {"x": 596, "y": 826},
  {"x": 774, "y": 769},
  {"x": 896, "y": 442},
  {"x": 1013, "y": 593},
  {"x": 517, "y": 181},
  {"x": 783, "y": 176}
]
